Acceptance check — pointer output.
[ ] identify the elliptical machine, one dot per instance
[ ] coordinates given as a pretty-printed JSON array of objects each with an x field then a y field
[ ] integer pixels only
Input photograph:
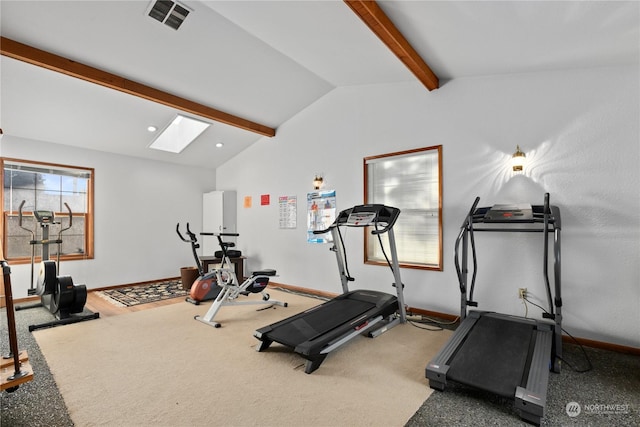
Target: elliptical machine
[
  {"x": 58, "y": 294},
  {"x": 205, "y": 287}
]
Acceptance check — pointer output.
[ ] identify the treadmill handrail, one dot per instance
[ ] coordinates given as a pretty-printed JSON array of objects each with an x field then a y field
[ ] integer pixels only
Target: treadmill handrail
[{"x": 466, "y": 223}]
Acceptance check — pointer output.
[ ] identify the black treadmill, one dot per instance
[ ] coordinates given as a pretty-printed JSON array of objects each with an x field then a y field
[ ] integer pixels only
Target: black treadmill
[
  {"x": 506, "y": 355},
  {"x": 316, "y": 332}
]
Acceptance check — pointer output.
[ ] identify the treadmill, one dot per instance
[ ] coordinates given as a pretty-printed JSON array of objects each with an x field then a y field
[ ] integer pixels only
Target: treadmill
[
  {"x": 506, "y": 355},
  {"x": 316, "y": 332}
]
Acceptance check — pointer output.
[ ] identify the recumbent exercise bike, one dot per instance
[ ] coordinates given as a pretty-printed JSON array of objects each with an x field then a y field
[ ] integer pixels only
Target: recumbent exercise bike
[{"x": 222, "y": 284}]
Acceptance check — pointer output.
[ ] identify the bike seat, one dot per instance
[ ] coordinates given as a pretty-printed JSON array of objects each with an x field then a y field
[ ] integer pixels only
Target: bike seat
[
  {"x": 266, "y": 272},
  {"x": 230, "y": 253}
]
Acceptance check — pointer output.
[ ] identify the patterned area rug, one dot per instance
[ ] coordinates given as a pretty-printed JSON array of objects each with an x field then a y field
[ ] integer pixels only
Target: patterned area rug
[{"x": 142, "y": 294}]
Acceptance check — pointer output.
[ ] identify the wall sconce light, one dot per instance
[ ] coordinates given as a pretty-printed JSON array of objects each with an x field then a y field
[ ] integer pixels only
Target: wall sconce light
[
  {"x": 317, "y": 182},
  {"x": 517, "y": 160}
]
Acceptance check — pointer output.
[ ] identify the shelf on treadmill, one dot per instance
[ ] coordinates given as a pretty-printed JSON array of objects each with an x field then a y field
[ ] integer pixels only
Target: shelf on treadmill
[{"x": 490, "y": 219}]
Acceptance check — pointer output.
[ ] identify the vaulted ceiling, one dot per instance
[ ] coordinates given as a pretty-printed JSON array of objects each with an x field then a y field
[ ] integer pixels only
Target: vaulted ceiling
[{"x": 264, "y": 61}]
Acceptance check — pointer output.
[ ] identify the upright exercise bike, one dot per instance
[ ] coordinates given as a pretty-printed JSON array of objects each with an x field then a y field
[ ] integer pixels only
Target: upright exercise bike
[{"x": 58, "y": 294}]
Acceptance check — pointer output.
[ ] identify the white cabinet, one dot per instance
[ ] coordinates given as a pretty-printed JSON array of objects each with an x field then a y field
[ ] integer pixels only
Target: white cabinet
[{"x": 218, "y": 216}]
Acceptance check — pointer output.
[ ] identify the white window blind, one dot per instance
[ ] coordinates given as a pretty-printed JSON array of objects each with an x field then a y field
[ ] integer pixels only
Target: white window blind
[{"x": 411, "y": 182}]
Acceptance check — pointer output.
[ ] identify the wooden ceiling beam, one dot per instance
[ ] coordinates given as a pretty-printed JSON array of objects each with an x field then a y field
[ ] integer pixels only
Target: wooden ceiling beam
[
  {"x": 381, "y": 25},
  {"x": 41, "y": 58}
]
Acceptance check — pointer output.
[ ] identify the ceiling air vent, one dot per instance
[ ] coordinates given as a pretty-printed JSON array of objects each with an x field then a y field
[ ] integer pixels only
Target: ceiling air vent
[{"x": 168, "y": 12}]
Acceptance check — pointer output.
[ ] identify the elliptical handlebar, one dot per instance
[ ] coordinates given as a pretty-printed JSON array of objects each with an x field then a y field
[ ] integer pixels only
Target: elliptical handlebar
[
  {"x": 45, "y": 241},
  {"x": 33, "y": 234},
  {"x": 59, "y": 241},
  {"x": 33, "y": 248},
  {"x": 20, "y": 213},
  {"x": 70, "y": 218}
]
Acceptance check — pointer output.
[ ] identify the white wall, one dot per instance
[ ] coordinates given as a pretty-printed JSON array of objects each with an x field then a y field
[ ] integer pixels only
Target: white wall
[
  {"x": 579, "y": 129},
  {"x": 137, "y": 206}
]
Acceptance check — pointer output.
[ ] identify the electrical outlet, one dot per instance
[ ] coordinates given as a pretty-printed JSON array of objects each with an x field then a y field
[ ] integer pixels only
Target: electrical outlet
[{"x": 522, "y": 293}]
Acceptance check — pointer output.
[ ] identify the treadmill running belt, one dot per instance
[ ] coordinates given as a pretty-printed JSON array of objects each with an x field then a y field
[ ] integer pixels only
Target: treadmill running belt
[
  {"x": 332, "y": 314},
  {"x": 494, "y": 355}
]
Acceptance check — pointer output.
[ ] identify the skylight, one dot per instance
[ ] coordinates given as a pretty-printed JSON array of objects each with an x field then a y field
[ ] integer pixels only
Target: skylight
[{"x": 179, "y": 134}]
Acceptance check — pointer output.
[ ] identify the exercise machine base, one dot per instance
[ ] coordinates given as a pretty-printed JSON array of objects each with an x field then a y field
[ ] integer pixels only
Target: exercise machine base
[
  {"x": 531, "y": 372},
  {"x": 316, "y": 332},
  {"x": 73, "y": 318},
  {"x": 268, "y": 303}
]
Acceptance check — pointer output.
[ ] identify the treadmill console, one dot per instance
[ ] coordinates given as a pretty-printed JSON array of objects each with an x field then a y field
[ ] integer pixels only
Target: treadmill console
[
  {"x": 365, "y": 215},
  {"x": 361, "y": 219},
  {"x": 372, "y": 214}
]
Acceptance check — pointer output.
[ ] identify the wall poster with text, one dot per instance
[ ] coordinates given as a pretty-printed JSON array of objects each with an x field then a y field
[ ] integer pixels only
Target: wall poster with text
[
  {"x": 321, "y": 212},
  {"x": 288, "y": 211}
]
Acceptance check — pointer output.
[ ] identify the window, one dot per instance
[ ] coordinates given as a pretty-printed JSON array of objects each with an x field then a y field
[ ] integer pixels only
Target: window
[
  {"x": 411, "y": 181},
  {"x": 46, "y": 187}
]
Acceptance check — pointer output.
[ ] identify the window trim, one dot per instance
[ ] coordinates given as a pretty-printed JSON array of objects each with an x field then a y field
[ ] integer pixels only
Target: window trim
[
  {"x": 89, "y": 216},
  {"x": 440, "y": 264}
]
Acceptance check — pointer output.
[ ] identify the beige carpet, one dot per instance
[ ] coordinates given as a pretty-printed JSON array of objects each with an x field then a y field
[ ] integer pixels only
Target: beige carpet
[{"x": 160, "y": 367}]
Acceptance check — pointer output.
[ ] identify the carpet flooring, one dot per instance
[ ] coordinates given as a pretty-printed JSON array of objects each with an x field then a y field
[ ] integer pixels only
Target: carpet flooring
[
  {"x": 608, "y": 395},
  {"x": 154, "y": 367}
]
